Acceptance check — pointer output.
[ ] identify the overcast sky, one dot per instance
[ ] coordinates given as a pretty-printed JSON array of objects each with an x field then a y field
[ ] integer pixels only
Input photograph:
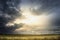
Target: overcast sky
[{"x": 30, "y": 16}]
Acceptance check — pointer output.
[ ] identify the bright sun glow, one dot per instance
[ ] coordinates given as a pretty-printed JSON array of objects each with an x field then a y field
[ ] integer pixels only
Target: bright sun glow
[{"x": 29, "y": 19}]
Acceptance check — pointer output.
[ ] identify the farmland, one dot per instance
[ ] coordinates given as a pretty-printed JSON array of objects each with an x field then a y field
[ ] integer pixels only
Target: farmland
[{"x": 29, "y": 37}]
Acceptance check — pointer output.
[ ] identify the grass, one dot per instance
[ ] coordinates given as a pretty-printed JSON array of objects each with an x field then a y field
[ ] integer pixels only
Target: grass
[{"x": 29, "y": 37}]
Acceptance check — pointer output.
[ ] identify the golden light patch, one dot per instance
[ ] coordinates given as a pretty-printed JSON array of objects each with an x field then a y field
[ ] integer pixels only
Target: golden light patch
[
  {"x": 29, "y": 19},
  {"x": 31, "y": 22}
]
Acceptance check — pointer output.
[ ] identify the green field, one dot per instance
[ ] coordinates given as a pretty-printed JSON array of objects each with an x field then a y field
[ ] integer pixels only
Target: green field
[{"x": 29, "y": 37}]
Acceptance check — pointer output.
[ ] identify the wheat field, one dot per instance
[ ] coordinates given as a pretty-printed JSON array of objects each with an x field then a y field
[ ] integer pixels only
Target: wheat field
[{"x": 29, "y": 37}]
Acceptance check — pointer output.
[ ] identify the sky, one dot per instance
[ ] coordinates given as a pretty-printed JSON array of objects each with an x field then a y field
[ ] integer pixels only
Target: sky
[{"x": 29, "y": 16}]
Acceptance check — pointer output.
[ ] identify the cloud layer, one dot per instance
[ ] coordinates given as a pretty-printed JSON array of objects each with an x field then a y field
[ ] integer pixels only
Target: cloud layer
[{"x": 29, "y": 16}]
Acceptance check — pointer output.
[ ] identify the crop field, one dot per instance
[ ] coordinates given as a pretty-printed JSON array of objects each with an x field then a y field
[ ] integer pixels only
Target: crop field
[{"x": 29, "y": 37}]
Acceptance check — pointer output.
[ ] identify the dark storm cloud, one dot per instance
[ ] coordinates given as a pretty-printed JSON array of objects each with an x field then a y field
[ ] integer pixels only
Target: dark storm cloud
[
  {"x": 48, "y": 5},
  {"x": 8, "y": 12},
  {"x": 45, "y": 5},
  {"x": 56, "y": 19}
]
